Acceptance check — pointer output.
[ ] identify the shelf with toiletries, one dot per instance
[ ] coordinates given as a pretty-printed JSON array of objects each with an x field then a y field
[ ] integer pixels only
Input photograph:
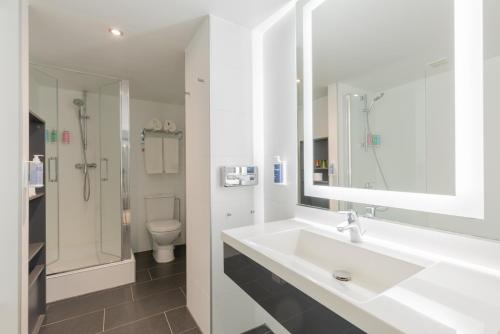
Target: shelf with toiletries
[
  {"x": 36, "y": 241},
  {"x": 372, "y": 141}
]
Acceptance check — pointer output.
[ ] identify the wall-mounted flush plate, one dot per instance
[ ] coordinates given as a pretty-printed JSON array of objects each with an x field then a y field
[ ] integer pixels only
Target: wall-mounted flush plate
[{"x": 238, "y": 176}]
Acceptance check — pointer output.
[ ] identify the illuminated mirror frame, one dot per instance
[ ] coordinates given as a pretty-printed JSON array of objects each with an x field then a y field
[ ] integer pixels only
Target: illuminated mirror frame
[{"x": 468, "y": 200}]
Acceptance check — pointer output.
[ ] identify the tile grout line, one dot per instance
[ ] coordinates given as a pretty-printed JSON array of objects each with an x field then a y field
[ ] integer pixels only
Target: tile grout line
[
  {"x": 147, "y": 317},
  {"x": 168, "y": 322},
  {"x": 85, "y": 295},
  {"x": 182, "y": 291},
  {"x": 190, "y": 329},
  {"x": 158, "y": 278},
  {"x": 103, "y": 320},
  {"x": 158, "y": 292},
  {"x": 133, "y": 322},
  {"x": 72, "y": 317}
]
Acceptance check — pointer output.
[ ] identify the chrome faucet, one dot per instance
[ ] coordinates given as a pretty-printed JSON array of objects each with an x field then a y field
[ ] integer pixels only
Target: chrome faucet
[{"x": 352, "y": 225}]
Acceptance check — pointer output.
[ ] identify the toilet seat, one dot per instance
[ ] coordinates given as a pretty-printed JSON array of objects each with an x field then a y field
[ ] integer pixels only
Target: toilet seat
[{"x": 160, "y": 226}]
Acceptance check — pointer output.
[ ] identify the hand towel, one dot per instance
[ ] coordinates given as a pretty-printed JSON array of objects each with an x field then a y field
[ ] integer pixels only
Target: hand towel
[
  {"x": 153, "y": 155},
  {"x": 171, "y": 155}
]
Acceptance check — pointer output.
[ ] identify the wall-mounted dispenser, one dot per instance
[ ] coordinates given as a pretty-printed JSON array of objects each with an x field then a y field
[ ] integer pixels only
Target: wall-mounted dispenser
[{"x": 237, "y": 176}]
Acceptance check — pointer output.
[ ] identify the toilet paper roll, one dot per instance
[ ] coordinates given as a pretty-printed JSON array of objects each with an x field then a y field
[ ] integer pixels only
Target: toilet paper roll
[
  {"x": 155, "y": 124},
  {"x": 169, "y": 126}
]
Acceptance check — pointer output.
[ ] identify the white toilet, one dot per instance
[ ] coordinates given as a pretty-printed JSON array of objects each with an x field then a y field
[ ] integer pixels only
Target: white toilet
[{"x": 164, "y": 231}]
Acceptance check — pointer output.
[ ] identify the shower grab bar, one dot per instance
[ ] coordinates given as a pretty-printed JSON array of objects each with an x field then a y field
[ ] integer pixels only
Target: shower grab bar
[
  {"x": 53, "y": 175},
  {"x": 177, "y": 201},
  {"x": 104, "y": 178}
]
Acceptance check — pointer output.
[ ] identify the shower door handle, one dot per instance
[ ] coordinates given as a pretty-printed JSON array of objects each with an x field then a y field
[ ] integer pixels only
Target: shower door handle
[
  {"x": 104, "y": 166},
  {"x": 53, "y": 169}
]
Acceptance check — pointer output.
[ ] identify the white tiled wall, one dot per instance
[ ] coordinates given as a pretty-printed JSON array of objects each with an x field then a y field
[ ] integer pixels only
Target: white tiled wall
[{"x": 280, "y": 116}]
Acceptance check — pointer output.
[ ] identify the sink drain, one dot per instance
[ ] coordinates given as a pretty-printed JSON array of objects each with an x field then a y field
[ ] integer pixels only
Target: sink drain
[{"x": 342, "y": 275}]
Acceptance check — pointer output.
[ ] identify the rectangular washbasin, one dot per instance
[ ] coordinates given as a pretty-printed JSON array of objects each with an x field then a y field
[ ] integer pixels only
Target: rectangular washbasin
[{"x": 319, "y": 256}]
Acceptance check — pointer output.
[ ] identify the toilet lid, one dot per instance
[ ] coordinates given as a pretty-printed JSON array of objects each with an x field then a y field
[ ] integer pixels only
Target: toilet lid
[{"x": 164, "y": 225}]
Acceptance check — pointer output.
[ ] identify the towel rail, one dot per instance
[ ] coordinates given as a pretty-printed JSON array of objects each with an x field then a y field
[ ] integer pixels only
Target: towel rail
[{"x": 161, "y": 133}]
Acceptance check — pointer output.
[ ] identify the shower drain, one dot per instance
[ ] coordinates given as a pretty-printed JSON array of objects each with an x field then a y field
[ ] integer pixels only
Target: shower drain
[{"x": 342, "y": 275}]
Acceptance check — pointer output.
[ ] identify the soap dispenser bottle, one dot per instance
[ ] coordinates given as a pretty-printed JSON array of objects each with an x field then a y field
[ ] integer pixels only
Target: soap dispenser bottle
[
  {"x": 36, "y": 172},
  {"x": 279, "y": 171}
]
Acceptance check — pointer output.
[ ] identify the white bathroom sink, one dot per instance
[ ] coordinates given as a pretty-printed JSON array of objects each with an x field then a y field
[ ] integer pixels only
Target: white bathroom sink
[{"x": 318, "y": 257}]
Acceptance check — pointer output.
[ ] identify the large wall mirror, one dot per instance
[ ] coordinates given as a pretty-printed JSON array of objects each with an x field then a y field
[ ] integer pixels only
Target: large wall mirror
[{"x": 391, "y": 104}]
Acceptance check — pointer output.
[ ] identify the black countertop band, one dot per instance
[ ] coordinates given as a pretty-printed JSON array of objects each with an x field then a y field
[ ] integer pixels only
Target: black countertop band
[{"x": 297, "y": 312}]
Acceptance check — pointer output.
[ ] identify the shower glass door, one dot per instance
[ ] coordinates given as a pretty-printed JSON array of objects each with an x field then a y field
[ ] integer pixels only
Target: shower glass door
[
  {"x": 87, "y": 166},
  {"x": 110, "y": 170}
]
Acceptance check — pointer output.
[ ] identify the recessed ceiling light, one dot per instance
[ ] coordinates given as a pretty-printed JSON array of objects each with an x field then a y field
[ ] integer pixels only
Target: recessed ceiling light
[
  {"x": 298, "y": 80},
  {"x": 115, "y": 32}
]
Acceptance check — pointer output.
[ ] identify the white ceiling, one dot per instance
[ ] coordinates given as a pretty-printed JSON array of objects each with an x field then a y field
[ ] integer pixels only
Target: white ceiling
[{"x": 73, "y": 34}]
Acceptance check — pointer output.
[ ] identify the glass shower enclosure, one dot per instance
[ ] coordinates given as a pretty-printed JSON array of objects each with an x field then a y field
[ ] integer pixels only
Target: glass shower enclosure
[{"x": 87, "y": 144}]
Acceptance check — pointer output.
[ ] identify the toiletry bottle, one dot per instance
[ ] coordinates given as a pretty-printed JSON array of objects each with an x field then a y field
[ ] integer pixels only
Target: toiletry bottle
[
  {"x": 53, "y": 136},
  {"x": 279, "y": 170},
  {"x": 36, "y": 172},
  {"x": 66, "y": 137}
]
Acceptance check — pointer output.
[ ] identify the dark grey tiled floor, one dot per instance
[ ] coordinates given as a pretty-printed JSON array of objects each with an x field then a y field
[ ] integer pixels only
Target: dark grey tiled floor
[{"x": 155, "y": 304}]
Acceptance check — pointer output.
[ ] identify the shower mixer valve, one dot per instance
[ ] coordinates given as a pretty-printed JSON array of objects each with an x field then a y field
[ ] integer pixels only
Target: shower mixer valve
[{"x": 82, "y": 166}]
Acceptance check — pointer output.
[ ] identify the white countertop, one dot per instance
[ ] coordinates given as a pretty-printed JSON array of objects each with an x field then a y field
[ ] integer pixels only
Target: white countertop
[{"x": 452, "y": 294}]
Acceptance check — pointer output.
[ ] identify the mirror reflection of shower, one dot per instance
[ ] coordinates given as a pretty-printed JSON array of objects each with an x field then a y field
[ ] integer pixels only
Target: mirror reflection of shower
[
  {"x": 368, "y": 138},
  {"x": 84, "y": 166}
]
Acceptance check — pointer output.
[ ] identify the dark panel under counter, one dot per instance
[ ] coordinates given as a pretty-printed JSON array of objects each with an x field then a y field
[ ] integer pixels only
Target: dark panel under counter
[{"x": 297, "y": 312}]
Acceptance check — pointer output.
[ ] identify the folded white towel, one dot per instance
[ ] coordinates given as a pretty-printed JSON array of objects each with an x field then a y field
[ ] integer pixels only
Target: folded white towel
[
  {"x": 153, "y": 154},
  {"x": 171, "y": 155}
]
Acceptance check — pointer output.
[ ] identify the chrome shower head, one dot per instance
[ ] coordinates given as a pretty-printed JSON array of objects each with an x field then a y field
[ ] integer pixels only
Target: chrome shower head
[
  {"x": 78, "y": 102},
  {"x": 375, "y": 100},
  {"x": 378, "y": 97}
]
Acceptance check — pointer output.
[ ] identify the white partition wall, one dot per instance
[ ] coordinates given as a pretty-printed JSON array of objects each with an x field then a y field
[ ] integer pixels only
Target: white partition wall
[
  {"x": 219, "y": 132},
  {"x": 198, "y": 177},
  {"x": 231, "y": 142}
]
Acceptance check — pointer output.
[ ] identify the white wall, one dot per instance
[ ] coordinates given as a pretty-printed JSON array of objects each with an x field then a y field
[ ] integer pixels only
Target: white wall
[
  {"x": 320, "y": 117},
  {"x": 11, "y": 132},
  {"x": 142, "y": 184}
]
